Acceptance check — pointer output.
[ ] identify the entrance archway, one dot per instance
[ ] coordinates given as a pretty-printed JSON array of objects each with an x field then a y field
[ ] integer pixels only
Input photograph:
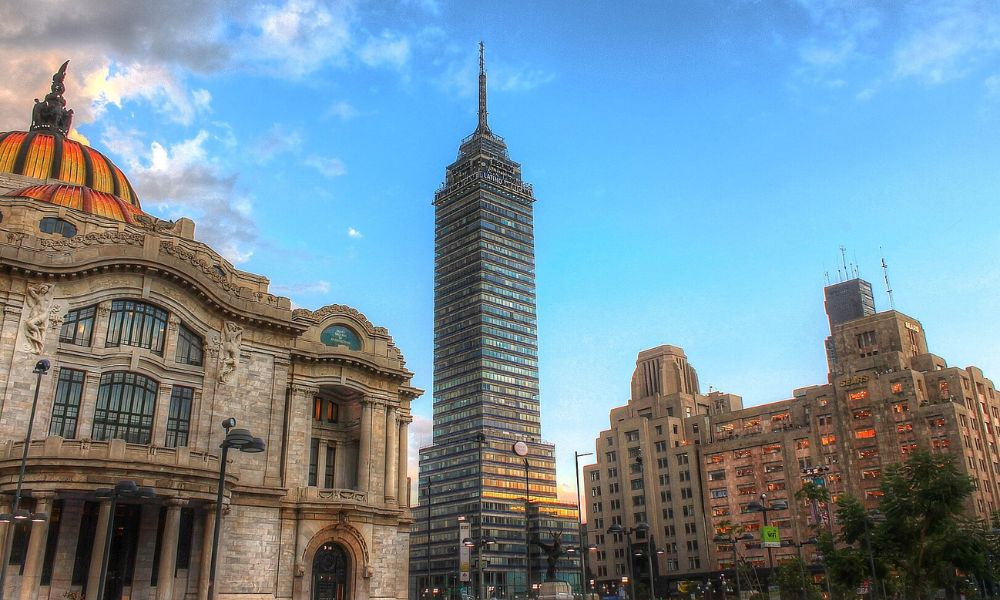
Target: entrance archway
[{"x": 331, "y": 573}]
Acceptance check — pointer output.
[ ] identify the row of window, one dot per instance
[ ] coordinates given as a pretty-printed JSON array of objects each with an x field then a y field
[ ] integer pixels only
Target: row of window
[
  {"x": 126, "y": 403},
  {"x": 132, "y": 323}
]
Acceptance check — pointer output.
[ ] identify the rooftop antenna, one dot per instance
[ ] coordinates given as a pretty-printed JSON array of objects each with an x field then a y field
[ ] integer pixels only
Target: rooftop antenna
[
  {"x": 826, "y": 275},
  {"x": 888, "y": 287},
  {"x": 483, "y": 126},
  {"x": 857, "y": 270},
  {"x": 843, "y": 260}
]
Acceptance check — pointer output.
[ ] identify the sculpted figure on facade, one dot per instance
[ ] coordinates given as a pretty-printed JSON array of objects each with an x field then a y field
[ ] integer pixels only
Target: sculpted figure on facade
[
  {"x": 36, "y": 303},
  {"x": 229, "y": 358}
]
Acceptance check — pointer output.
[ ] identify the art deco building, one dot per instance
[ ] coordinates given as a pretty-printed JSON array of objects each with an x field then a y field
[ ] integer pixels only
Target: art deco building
[
  {"x": 706, "y": 458},
  {"x": 154, "y": 340},
  {"x": 485, "y": 378}
]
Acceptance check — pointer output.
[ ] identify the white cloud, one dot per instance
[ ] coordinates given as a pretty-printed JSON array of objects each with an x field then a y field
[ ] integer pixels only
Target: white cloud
[
  {"x": 330, "y": 167},
  {"x": 992, "y": 84},
  {"x": 181, "y": 180},
  {"x": 354, "y": 233},
  {"x": 275, "y": 142},
  {"x": 315, "y": 287},
  {"x": 343, "y": 110},
  {"x": 299, "y": 36},
  {"x": 155, "y": 83},
  {"x": 946, "y": 40},
  {"x": 388, "y": 49}
]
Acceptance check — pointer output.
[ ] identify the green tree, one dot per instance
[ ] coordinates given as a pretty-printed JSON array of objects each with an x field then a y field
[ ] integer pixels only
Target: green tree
[
  {"x": 795, "y": 581},
  {"x": 924, "y": 538}
]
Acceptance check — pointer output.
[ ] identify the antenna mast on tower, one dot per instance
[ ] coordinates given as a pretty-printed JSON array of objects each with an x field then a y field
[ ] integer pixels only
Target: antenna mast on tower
[{"x": 888, "y": 288}]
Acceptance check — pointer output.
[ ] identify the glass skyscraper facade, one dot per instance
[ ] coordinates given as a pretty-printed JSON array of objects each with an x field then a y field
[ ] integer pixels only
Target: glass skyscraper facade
[{"x": 485, "y": 385}]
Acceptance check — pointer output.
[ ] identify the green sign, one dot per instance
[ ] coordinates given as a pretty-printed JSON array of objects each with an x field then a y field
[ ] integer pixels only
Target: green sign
[{"x": 769, "y": 537}]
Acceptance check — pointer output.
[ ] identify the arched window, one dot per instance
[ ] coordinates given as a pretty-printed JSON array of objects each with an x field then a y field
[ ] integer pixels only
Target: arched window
[
  {"x": 78, "y": 326},
  {"x": 137, "y": 324},
  {"x": 189, "y": 347},
  {"x": 339, "y": 335},
  {"x": 125, "y": 403},
  {"x": 57, "y": 226}
]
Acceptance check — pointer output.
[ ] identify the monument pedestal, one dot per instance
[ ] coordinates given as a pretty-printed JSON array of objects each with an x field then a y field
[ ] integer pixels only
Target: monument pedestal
[{"x": 555, "y": 590}]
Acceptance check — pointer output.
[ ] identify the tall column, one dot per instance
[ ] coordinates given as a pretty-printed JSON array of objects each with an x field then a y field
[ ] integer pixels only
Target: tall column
[
  {"x": 168, "y": 550},
  {"x": 391, "y": 454},
  {"x": 97, "y": 550},
  {"x": 32, "y": 577},
  {"x": 402, "y": 492},
  {"x": 206, "y": 554},
  {"x": 365, "y": 445}
]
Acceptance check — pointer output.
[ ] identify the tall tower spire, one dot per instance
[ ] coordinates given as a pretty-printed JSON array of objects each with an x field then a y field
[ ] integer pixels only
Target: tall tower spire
[{"x": 483, "y": 125}]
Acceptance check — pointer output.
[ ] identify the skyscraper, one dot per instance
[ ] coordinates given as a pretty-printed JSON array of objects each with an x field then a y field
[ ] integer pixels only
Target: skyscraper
[{"x": 485, "y": 378}]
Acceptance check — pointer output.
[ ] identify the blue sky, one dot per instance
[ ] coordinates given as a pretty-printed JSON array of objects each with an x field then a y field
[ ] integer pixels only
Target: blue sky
[{"x": 697, "y": 165}]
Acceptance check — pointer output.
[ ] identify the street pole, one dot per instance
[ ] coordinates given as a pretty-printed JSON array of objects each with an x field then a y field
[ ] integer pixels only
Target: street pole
[
  {"x": 871, "y": 559},
  {"x": 527, "y": 530},
  {"x": 579, "y": 518},
  {"x": 41, "y": 368},
  {"x": 218, "y": 522},
  {"x": 482, "y": 533}
]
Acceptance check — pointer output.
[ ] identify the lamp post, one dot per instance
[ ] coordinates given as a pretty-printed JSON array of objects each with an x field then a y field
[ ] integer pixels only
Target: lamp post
[
  {"x": 123, "y": 489},
  {"x": 802, "y": 563},
  {"x": 16, "y": 514},
  {"x": 736, "y": 564},
  {"x": 521, "y": 449},
  {"x": 244, "y": 441},
  {"x": 478, "y": 544},
  {"x": 579, "y": 522},
  {"x": 644, "y": 527},
  {"x": 765, "y": 507},
  {"x": 875, "y": 517},
  {"x": 481, "y": 438}
]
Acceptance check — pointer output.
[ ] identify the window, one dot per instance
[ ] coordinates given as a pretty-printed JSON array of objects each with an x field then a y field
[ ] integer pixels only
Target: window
[
  {"x": 664, "y": 479},
  {"x": 744, "y": 471},
  {"x": 638, "y": 500},
  {"x": 682, "y": 459},
  {"x": 941, "y": 444},
  {"x": 742, "y": 453},
  {"x": 125, "y": 403},
  {"x": 78, "y": 326},
  {"x": 690, "y": 528},
  {"x": 866, "y": 343},
  {"x": 595, "y": 475},
  {"x": 720, "y": 493},
  {"x": 802, "y": 444},
  {"x": 871, "y": 473},
  {"x": 636, "y": 484},
  {"x": 858, "y": 395},
  {"x": 717, "y": 476},
  {"x": 897, "y": 387},
  {"x": 57, "y": 226},
  {"x": 66, "y": 406},
  {"x": 610, "y": 456},
  {"x": 661, "y": 446},
  {"x": 828, "y": 440},
  {"x": 864, "y": 434},
  {"x": 313, "y": 460},
  {"x": 595, "y": 491},
  {"x": 327, "y": 409},
  {"x": 720, "y": 511},
  {"x": 870, "y": 452},
  {"x": 904, "y": 427},
  {"x": 901, "y": 407},
  {"x": 774, "y": 468},
  {"x": 746, "y": 490},
  {"x": 776, "y": 486},
  {"x": 598, "y": 507},
  {"x": 862, "y": 413},
  {"x": 659, "y": 430},
  {"x": 684, "y": 476},
  {"x": 612, "y": 472},
  {"x": 771, "y": 449},
  {"x": 824, "y": 420},
  {"x": 686, "y": 493},
  {"x": 189, "y": 347},
  {"x": 936, "y": 422},
  {"x": 330, "y": 463},
  {"x": 179, "y": 416},
  {"x": 136, "y": 324},
  {"x": 632, "y": 436},
  {"x": 662, "y": 463},
  {"x": 714, "y": 459}
]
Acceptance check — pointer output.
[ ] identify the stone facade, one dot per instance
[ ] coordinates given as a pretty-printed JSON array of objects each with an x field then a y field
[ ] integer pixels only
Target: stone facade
[{"x": 321, "y": 513}]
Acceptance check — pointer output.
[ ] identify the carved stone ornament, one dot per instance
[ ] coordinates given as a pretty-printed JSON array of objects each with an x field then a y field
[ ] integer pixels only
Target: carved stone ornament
[
  {"x": 94, "y": 239},
  {"x": 51, "y": 115},
  {"x": 229, "y": 357},
  {"x": 36, "y": 302},
  {"x": 153, "y": 224},
  {"x": 55, "y": 316}
]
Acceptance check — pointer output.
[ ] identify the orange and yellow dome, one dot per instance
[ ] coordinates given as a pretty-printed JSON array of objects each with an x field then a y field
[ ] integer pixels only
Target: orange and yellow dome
[
  {"x": 74, "y": 174},
  {"x": 44, "y": 156}
]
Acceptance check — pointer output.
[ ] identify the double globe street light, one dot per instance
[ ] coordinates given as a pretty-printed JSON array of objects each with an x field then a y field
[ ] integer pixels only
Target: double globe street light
[
  {"x": 479, "y": 544},
  {"x": 725, "y": 539},
  {"x": 764, "y": 507}
]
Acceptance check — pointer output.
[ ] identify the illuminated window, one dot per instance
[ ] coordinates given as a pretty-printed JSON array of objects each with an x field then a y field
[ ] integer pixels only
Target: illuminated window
[
  {"x": 746, "y": 490},
  {"x": 775, "y": 486},
  {"x": 897, "y": 387},
  {"x": 802, "y": 444},
  {"x": 943, "y": 388},
  {"x": 725, "y": 427},
  {"x": 742, "y": 453},
  {"x": 751, "y": 422},
  {"x": 858, "y": 395},
  {"x": 744, "y": 471},
  {"x": 864, "y": 434},
  {"x": 774, "y": 468},
  {"x": 941, "y": 443},
  {"x": 936, "y": 422},
  {"x": 781, "y": 417},
  {"x": 871, "y": 452},
  {"x": 828, "y": 439},
  {"x": 901, "y": 407},
  {"x": 720, "y": 511},
  {"x": 771, "y": 449},
  {"x": 873, "y": 494},
  {"x": 907, "y": 448},
  {"x": 863, "y": 413},
  {"x": 714, "y": 459},
  {"x": 904, "y": 427},
  {"x": 871, "y": 473}
]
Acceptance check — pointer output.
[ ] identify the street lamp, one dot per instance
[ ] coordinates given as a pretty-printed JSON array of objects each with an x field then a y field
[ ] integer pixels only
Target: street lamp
[
  {"x": 579, "y": 522},
  {"x": 244, "y": 441},
  {"x": 643, "y": 527},
  {"x": 521, "y": 449},
  {"x": 802, "y": 563},
  {"x": 875, "y": 517},
  {"x": 16, "y": 514},
  {"x": 123, "y": 489},
  {"x": 765, "y": 507},
  {"x": 725, "y": 539},
  {"x": 479, "y": 543}
]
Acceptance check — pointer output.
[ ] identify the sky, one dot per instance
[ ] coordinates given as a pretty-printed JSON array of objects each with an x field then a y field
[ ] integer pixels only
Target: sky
[{"x": 697, "y": 165}]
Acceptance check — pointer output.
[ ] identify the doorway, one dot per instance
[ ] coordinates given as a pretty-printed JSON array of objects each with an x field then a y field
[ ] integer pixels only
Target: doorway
[{"x": 330, "y": 573}]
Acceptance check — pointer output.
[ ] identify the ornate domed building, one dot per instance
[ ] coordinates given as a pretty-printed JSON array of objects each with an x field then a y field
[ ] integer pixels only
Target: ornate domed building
[{"x": 110, "y": 457}]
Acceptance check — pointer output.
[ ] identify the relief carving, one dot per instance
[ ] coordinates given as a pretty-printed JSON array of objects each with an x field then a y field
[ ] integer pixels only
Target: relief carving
[
  {"x": 37, "y": 302},
  {"x": 229, "y": 358},
  {"x": 92, "y": 239},
  {"x": 55, "y": 317}
]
